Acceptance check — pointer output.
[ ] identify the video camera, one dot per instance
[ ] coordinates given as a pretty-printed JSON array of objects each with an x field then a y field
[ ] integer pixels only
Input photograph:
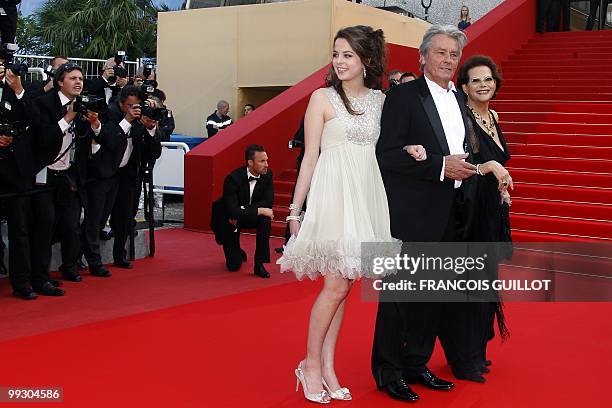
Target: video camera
[
  {"x": 9, "y": 128},
  {"x": 7, "y": 53},
  {"x": 156, "y": 114},
  {"x": 86, "y": 102},
  {"x": 118, "y": 70}
]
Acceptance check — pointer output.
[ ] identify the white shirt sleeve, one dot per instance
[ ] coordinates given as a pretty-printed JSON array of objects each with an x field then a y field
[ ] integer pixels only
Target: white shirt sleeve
[
  {"x": 63, "y": 125},
  {"x": 20, "y": 94},
  {"x": 443, "y": 167},
  {"x": 125, "y": 125},
  {"x": 97, "y": 131}
]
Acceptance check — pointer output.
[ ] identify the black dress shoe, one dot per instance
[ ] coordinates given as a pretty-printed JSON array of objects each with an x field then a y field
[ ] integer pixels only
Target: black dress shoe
[
  {"x": 468, "y": 376},
  {"x": 25, "y": 294},
  {"x": 55, "y": 282},
  {"x": 105, "y": 236},
  {"x": 122, "y": 263},
  {"x": 488, "y": 362},
  {"x": 47, "y": 289},
  {"x": 80, "y": 264},
  {"x": 399, "y": 390},
  {"x": 244, "y": 255},
  {"x": 429, "y": 380},
  {"x": 261, "y": 271},
  {"x": 100, "y": 272},
  {"x": 279, "y": 250},
  {"x": 72, "y": 276}
]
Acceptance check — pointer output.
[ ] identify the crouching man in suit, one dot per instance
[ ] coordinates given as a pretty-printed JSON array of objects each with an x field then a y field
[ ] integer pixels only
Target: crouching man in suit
[{"x": 247, "y": 198}]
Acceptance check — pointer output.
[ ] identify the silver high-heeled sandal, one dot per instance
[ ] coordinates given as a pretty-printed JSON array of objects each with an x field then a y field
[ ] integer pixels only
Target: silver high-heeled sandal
[
  {"x": 319, "y": 397},
  {"x": 342, "y": 394}
]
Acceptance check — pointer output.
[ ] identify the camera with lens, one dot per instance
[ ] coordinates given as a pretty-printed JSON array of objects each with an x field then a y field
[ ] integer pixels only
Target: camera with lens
[
  {"x": 8, "y": 128},
  {"x": 156, "y": 114},
  {"x": 85, "y": 102},
  {"x": 149, "y": 86},
  {"x": 147, "y": 70},
  {"x": 118, "y": 70},
  {"x": 7, "y": 54}
]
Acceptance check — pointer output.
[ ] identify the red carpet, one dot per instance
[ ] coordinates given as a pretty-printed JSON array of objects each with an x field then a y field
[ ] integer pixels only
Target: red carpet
[{"x": 178, "y": 331}]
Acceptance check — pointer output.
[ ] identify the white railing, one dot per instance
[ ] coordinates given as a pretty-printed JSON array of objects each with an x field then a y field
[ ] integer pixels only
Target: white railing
[
  {"x": 91, "y": 67},
  {"x": 169, "y": 170}
]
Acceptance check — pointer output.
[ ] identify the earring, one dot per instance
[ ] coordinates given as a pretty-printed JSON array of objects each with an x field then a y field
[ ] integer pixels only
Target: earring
[{"x": 364, "y": 72}]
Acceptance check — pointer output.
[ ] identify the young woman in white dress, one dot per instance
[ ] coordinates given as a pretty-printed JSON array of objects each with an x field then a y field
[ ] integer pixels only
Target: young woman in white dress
[{"x": 347, "y": 204}]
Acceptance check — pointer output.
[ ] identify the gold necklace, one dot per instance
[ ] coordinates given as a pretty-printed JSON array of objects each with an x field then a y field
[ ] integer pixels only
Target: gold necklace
[{"x": 490, "y": 126}]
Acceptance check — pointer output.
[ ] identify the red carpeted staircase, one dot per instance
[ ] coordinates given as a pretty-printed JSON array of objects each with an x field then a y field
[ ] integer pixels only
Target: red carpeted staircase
[{"x": 555, "y": 109}]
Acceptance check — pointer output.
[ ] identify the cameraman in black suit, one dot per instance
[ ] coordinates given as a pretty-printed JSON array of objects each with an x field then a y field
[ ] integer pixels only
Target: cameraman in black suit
[
  {"x": 115, "y": 168},
  {"x": 39, "y": 88},
  {"x": 112, "y": 79},
  {"x": 63, "y": 144},
  {"x": 16, "y": 174},
  {"x": 248, "y": 194},
  {"x": 8, "y": 20}
]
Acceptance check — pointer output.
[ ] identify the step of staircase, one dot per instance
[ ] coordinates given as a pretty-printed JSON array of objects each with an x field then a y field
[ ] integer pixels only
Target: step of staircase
[
  {"x": 554, "y": 177},
  {"x": 561, "y": 128},
  {"x": 557, "y": 117},
  {"x": 601, "y": 153},
  {"x": 558, "y": 139},
  {"x": 562, "y": 164},
  {"x": 589, "y": 195},
  {"x": 558, "y": 225},
  {"x": 593, "y": 212},
  {"x": 503, "y": 106}
]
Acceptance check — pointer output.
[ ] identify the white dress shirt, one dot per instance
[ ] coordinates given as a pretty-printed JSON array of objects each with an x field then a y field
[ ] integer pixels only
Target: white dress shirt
[
  {"x": 450, "y": 116},
  {"x": 251, "y": 184},
  {"x": 126, "y": 126},
  {"x": 63, "y": 163}
]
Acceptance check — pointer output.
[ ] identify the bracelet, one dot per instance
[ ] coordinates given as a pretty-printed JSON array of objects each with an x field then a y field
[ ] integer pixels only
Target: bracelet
[
  {"x": 478, "y": 170},
  {"x": 293, "y": 206},
  {"x": 293, "y": 218}
]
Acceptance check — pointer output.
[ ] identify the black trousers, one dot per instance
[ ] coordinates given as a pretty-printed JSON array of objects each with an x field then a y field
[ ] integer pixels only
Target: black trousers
[
  {"x": 593, "y": 7},
  {"x": 56, "y": 214},
  {"x": 545, "y": 15},
  {"x": 231, "y": 245},
  {"x": 17, "y": 211},
  {"x": 123, "y": 211},
  {"x": 101, "y": 196},
  {"x": 406, "y": 332},
  {"x": 8, "y": 25}
]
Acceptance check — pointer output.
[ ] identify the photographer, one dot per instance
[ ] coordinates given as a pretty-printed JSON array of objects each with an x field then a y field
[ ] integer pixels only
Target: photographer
[
  {"x": 115, "y": 168},
  {"x": 63, "y": 130},
  {"x": 111, "y": 81},
  {"x": 16, "y": 171},
  {"x": 8, "y": 20},
  {"x": 39, "y": 88},
  {"x": 167, "y": 122}
]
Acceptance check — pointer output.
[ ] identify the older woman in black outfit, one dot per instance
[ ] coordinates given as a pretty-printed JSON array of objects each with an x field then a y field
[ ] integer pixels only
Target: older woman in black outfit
[{"x": 490, "y": 200}]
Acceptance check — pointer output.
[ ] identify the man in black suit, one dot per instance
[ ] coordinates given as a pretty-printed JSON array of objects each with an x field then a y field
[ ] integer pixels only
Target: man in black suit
[
  {"x": 108, "y": 84},
  {"x": 424, "y": 199},
  {"x": 63, "y": 146},
  {"x": 248, "y": 194},
  {"x": 16, "y": 174},
  {"x": 39, "y": 88},
  {"x": 8, "y": 20},
  {"x": 125, "y": 140}
]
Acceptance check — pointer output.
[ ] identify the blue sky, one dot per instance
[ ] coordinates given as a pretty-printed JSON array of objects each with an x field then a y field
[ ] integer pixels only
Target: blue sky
[{"x": 28, "y": 6}]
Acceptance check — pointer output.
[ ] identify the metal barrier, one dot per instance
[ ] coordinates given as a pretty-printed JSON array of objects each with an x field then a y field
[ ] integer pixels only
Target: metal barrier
[
  {"x": 169, "y": 170},
  {"x": 91, "y": 67}
]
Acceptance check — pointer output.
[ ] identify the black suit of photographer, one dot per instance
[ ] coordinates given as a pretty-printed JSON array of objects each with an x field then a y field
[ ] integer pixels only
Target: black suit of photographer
[
  {"x": 8, "y": 23},
  {"x": 16, "y": 174},
  {"x": 56, "y": 209},
  {"x": 97, "y": 87},
  {"x": 114, "y": 189}
]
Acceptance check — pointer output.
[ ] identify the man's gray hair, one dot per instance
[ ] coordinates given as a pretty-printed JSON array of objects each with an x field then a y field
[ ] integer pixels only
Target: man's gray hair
[
  {"x": 222, "y": 103},
  {"x": 448, "y": 30}
]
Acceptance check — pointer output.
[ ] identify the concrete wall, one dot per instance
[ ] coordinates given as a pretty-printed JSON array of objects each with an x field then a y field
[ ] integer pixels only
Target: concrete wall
[{"x": 228, "y": 52}]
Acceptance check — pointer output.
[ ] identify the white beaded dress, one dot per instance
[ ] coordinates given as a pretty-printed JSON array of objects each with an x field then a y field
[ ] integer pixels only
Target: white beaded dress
[{"x": 347, "y": 203}]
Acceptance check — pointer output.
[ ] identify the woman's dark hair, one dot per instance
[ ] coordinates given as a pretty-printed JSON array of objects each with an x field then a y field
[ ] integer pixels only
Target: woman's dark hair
[
  {"x": 479, "y": 61},
  {"x": 370, "y": 46}
]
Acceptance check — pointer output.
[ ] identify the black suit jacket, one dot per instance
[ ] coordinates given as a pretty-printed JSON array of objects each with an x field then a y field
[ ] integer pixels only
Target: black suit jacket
[
  {"x": 22, "y": 146},
  {"x": 234, "y": 204},
  {"x": 45, "y": 113},
  {"x": 113, "y": 141},
  {"x": 419, "y": 203}
]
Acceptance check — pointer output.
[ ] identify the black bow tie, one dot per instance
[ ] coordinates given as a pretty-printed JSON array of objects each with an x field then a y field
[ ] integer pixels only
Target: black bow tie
[{"x": 251, "y": 178}]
